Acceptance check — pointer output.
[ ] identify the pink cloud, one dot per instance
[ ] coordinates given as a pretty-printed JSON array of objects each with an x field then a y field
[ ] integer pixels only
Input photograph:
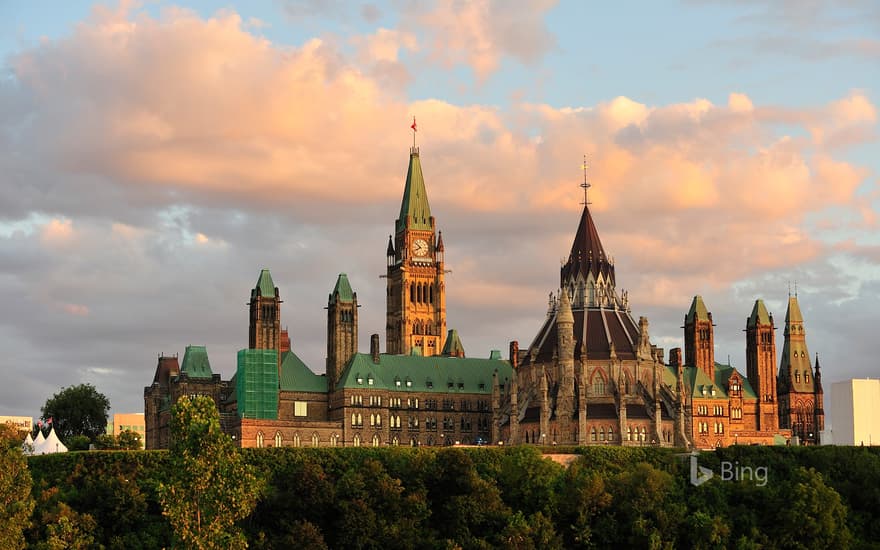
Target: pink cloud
[{"x": 180, "y": 106}]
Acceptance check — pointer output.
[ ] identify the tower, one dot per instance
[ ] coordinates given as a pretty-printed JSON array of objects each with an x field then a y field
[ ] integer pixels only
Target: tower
[
  {"x": 699, "y": 338},
  {"x": 761, "y": 364},
  {"x": 799, "y": 408},
  {"x": 264, "y": 331},
  {"x": 565, "y": 405},
  {"x": 416, "y": 298},
  {"x": 342, "y": 327}
]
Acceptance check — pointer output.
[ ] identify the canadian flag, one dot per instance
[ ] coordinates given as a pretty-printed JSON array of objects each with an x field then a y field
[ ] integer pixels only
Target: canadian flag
[{"x": 414, "y": 129}]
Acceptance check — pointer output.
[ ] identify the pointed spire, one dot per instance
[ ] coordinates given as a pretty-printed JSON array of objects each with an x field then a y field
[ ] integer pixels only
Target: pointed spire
[
  {"x": 564, "y": 315},
  {"x": 759, "y": 315},
  {"x": 587, "y": 254},
  {"x": 440, "y": 242},
  {"x": 342, "y": 291},
  {"x": 414, "y": 209},
  {"x": 453, "y": 347},
  {"x": 390, "y": 250},
  {"x": 697, "y": 311},
  {"x": 265, "y": 286},
  {"x": 793, "y": 314}
]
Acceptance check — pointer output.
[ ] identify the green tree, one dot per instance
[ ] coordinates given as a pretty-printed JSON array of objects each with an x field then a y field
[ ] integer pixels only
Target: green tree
[
  {"x": 128, "y": 440},
  {"x": 211, "y": 486},
  {"x": 16, "y": 502},
  {"x": 78, "y": 410}
]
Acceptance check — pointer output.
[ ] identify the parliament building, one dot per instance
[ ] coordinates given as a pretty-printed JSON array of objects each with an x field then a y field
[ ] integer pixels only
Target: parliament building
[{"x": 590, "y": 376}]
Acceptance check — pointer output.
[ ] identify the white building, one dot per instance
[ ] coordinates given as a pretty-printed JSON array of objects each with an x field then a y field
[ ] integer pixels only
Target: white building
[{"x": 855, "y": 410}]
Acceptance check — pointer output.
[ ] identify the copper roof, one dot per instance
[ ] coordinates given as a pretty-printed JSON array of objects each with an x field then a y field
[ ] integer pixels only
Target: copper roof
[
  {"x": 598, "y": 328},
  {"x": 587, "y": 255}
]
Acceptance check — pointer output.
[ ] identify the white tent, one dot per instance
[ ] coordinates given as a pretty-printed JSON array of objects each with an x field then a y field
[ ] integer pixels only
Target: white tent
[
  {"x": 50, "y": 444},
  {"x": 39, "y": 440},
  {"x": 28, "y": 445}
]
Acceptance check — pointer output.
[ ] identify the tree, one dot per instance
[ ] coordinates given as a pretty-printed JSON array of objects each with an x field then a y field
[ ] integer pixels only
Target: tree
[
  {"x": 78, "y": 410},
  {"x": 16, "y": 502},
  {"x": 211, "y": 486}
]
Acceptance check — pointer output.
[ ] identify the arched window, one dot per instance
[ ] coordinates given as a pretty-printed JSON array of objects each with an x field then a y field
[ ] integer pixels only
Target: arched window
[
  {"x": 642, "y": 434},
  {"x": 357, "y": 440},
  {"x": 259, "y": 440},
  {"x": 431, "y": 297},
  {"x": 592, "y": 434},
  {"x": 334, "y": 440},
  {"x": 412, "y": 292},
  {"x": 807, "y": 376},
  {"x": 314, "y": 440},
  {"x": 297, "y": 442},
  {"x": 277, "y": 439},
  {"x": 628, "y": 433},
  {"x": 601, "y": 434},
  {"x": 375, "y": 441},
  {"x": 372, "y": 420},
  {"x": 610, "y": 433},
  {"x": 598, "y": 384},
  {"x": 797, "y": 376},
  {"x": 395, "y": 441}
]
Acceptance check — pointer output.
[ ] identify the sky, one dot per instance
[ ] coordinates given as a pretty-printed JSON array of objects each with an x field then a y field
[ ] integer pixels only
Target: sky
[{"x": 155, "y": 156}]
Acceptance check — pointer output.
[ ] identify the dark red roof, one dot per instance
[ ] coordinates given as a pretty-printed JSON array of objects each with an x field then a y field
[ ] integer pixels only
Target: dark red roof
[
  {"x": 165, "y": 369},
  {"x": 587, "y": 254},
  {"x": 603, "y": 327}
]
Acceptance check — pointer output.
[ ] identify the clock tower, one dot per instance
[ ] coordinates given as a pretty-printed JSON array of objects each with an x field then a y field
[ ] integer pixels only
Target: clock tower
[{"x": 416, "y": 297}]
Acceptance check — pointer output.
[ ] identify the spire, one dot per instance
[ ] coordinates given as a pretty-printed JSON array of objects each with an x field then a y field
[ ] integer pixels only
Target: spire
[
  {"x": 453, "y": 347},
  {"x": 342, "y": 291},
  {"x": 390, "y": 251},
  {"x": 587, "y": 254},
  {"x": 564, "y": 315},
  {"x": 793, "y": 316},
  {"x": 414, "y": 206},
  {"x": 440, "y": 242},
  {"x": 759, "y": 315},
  {"x": 265, "y": 286},
  {"x": 698, "y": 310}
]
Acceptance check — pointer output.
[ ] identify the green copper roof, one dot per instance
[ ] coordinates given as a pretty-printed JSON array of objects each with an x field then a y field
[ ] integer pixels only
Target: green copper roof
[
  {"x": 415, "y": 199},
  {"x": 414, "y": 373},
  {"x": 698, "y": 310},
  {"x": 759, "y": 314},
  {"x": 195, "y": 362},
  {"x": 265, "y": 284},
  {"x": 697, "y": 381},
  {"x": 793, "y": 315},
  {"x": 453, "y": 344},
  {"x": 296, "y": 376},
  {"x": 342, "y": 289}
]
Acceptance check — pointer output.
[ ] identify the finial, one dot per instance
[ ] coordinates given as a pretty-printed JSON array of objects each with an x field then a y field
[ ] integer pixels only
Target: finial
[
  {"x": 795, "y": 289},
  {"x": 414, "y": 129},
  {"x": 789, "y": 289},
  {"x": 585, "y": 185}
]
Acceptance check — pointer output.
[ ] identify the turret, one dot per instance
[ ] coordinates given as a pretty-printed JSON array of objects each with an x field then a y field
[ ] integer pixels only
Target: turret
[
  {"x": 342, "y": 328},
  {"x": 761, "y": 364},
  {"x": 699, "y": 338}
]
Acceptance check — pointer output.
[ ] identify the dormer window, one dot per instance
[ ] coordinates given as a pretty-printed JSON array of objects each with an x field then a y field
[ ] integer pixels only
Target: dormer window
[
  {"x": 408, "y": 383},
  {"x": 370, "y": 380},
  {"x": 360, "y": 379}
]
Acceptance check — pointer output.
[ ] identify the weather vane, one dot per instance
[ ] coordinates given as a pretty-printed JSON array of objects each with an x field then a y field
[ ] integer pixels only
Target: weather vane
[
  {"x": 414, "y": 129},
  {"x": 585, "y": 185}
]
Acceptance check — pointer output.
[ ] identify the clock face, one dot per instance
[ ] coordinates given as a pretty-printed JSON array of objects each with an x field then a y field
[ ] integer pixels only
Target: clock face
[{"x": 420, "y": 248}]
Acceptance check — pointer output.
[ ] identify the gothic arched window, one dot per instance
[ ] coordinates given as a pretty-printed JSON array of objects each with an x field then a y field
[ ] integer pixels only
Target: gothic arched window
[{"x": 277, "y": 439}]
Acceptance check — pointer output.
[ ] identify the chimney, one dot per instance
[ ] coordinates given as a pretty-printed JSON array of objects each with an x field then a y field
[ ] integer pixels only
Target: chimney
[
  {"x": 675, "y": 357},
  {"x": 374, "y": 348},
  {"x": 514, "y": 354}
]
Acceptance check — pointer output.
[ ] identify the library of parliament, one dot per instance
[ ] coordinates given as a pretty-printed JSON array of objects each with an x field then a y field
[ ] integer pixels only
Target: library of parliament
[{"x": 590, "y": 375}]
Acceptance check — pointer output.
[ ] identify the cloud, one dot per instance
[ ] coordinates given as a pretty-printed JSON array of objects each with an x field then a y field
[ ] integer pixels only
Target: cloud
[
  {"x": 481, "y": 33},
  {"x": 167, "y": 159}
]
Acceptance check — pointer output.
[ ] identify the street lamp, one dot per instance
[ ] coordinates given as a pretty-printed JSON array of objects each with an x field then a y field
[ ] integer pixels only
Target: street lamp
[{"x": 543, "y": 439}]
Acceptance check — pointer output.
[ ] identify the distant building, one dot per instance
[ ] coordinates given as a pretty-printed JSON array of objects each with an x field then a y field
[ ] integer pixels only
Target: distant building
[
  {"x": 855, "y": 408},
  {"x": 134, "y": 422}
]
